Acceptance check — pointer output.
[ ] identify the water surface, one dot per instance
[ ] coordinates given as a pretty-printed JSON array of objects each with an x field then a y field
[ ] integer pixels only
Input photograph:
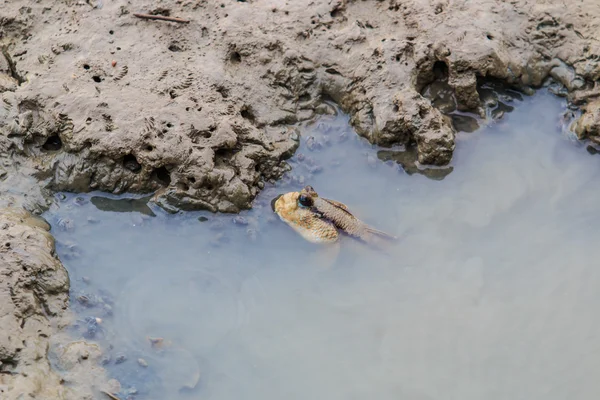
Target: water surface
[{"x": 491, "y": 293}]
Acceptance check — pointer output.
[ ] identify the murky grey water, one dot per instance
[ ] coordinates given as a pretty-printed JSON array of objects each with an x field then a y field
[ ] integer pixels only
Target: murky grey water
[{"x": 491, "y": 293}]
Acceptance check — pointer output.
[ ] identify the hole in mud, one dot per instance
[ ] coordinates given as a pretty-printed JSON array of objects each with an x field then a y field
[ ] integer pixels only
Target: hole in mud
[
  {"x": 172, "y": 94},
  {"x": 53, "y": 143},
  {"x": 165, "y": 12},
  {"x": 335, "y": 13},
  {"x": 86, "y": 66},
  {"x": 118, "y": 48},
  {"x": 111, "y": 32},
  {"x": 7, "y": 245},
  {"x": 97, "y": 79},
  {"x": 440, "y": 70},
  {"x": 223, "y": 153},
  {"x": 187, "y": 109},
  {"x": 223, "y": 91},
  {"x": 304, "y": 98},
  {"x": 131, "y": 163},
  {"x": 88, "y": 120},
  {"x": 162, "y": 175},
  {"x": 169, "y": 125},
  {"x": 174, "y": 47},
  {"x": 149, "y": 148},
  {"x": 489, "y": 37},
  {"x": 235, "y": 57},
  {"x": 247, "y": 113},
  {"x": 192, "y": 179}
]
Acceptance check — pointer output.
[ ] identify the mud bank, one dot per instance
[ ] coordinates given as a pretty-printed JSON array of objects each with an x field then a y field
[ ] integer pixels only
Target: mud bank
[
  {"x": 94, "y": 98},
  {"x": 34, "y": 292}
]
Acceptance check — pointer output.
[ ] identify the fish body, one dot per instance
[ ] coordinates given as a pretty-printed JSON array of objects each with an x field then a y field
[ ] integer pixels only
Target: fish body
[{"x": 317, "y": 218}]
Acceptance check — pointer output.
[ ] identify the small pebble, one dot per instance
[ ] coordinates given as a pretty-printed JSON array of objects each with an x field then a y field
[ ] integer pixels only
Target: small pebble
[
  {"x": 156, "y": 342},
  {"x": 105, "y": 360},
  {"x": 142, "y": 362},
  {"x": 132, "y": 391},
  {"x": 107, "y": 308},
  {"x": 315, "y": 169},
  {"x": 121, "y": 358},
  {"x": 83, "y": 299},
  {"x": 79, "y": 201},
  {"x": 312, "y": 144},
  {"x": 66, "y": 224},
  {"x": 113, "y": 63},
  {"x": 239, "y": 220},
  {"x": 114, "y": 386}
]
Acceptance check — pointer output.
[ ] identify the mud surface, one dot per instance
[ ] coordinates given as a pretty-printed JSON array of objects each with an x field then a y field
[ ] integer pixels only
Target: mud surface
[
  {"x": 94, "y": 98},
  {"x": 34, "y": 288}
]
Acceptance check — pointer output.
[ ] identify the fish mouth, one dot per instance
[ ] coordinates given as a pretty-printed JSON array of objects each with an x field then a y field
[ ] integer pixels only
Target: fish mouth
[{"x": 275, "y": 201}]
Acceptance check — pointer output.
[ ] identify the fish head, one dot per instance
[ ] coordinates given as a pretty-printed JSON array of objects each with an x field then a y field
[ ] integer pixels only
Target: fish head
[
  {"x": 294, "y": 208},
  {"x": 286, "y": 203}
]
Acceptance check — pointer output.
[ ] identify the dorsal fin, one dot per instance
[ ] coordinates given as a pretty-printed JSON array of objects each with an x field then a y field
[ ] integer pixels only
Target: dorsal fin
[{"x": 339, "y": 206}]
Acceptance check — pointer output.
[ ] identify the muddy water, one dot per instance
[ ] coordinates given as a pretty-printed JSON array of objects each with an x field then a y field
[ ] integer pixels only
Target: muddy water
[{"x": 491, "y": 292}]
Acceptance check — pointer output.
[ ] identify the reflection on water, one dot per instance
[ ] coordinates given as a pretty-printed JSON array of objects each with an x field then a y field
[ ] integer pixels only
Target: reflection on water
[{"x": 491, "y": 293}]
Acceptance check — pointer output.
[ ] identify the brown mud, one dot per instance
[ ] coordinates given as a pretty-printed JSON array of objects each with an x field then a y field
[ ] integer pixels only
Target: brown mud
[{"x": 94, "y": 98}]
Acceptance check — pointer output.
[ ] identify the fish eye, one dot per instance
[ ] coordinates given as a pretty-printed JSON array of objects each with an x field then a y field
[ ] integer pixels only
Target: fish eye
[{"x": 304, "y": 200}]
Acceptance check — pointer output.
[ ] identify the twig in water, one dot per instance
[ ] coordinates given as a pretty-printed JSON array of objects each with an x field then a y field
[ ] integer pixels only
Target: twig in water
[
  {"x": 110, "y": 395},
  {"x": 162, "y": 18}
]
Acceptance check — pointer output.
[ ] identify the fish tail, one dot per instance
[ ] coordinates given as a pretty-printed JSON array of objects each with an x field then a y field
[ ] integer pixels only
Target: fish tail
[{"x": 380, "y": 233}]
